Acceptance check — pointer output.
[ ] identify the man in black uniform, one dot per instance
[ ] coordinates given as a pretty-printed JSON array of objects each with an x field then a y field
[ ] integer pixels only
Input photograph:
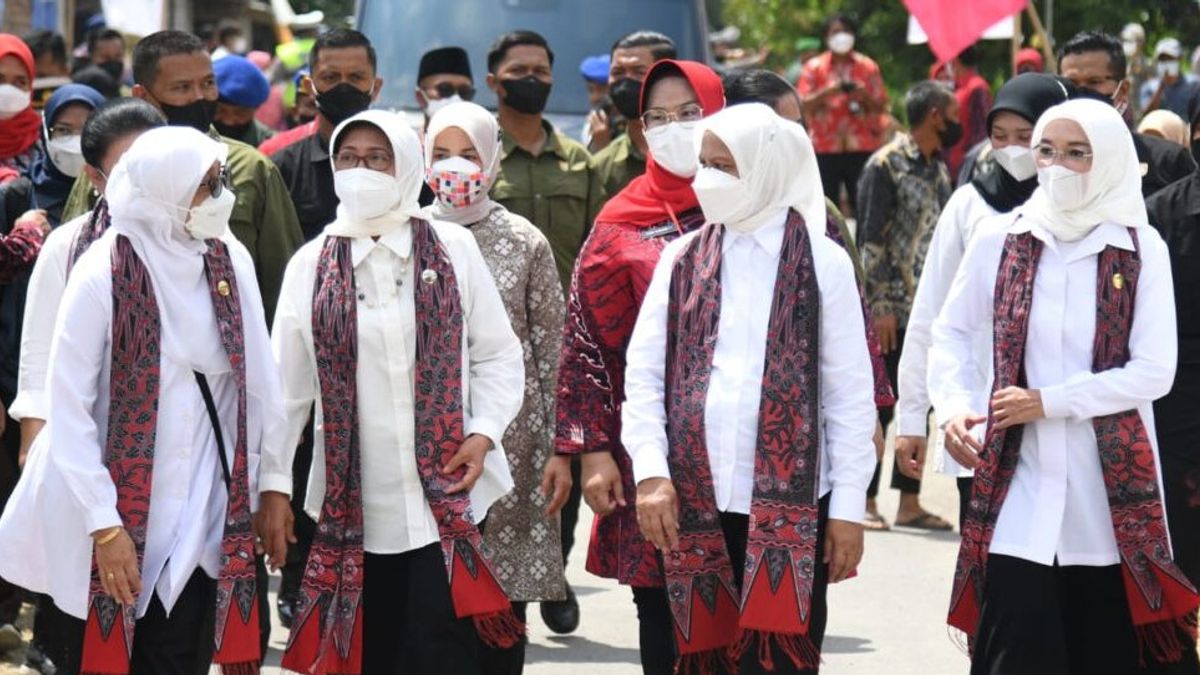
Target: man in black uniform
[
  {"x": 1095, "y": 63},
  {"x": 1175, "y": 212},
  {"x": 344, "y": 82}
]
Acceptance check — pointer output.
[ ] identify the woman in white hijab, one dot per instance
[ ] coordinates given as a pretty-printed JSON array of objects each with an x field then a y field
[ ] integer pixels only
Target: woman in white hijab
[
  {"x": 463, "y": 155},
  {"x": 160, "y": 321},
  {"x": 393, "y": 327},
  {"x": 742, "y": 437},
  {"x": 1065, "y": 564}
]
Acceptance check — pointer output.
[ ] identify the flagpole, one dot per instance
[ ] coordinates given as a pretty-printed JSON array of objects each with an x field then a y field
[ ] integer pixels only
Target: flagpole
[
  {"x": 1016, "y": 40},
  {"x": 1047, "y": 47}
]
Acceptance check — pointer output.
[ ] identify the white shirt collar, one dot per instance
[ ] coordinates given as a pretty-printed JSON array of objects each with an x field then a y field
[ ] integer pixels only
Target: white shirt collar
[
  {"x": 1104, "y": 235},
  {"x": 398, "y": 241},
  {"x": 768, "y": 236}
]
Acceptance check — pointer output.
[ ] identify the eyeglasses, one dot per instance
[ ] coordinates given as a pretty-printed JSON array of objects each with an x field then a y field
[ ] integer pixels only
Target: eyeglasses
[
  {"x": 375, "y": 161},
  {"x": 218, "y": 183},
  {"x": 59, "y": 130},
  {"x": 657, "y": 117},
  {"x": 1047, "y": 154},
  {"x": 445, "y": 90}
]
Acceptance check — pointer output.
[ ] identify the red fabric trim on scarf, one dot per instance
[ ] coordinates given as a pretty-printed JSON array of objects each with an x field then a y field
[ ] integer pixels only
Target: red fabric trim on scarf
[{"x": 649, "y": 199}]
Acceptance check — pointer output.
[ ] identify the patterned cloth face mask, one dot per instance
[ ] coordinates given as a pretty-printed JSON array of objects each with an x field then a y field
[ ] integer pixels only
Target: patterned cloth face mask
[{"x": 458, "y": 182}]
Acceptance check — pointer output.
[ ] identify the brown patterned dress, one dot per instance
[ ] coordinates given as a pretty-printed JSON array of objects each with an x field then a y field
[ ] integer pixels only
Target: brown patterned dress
[{"x": 523, "y": 543}]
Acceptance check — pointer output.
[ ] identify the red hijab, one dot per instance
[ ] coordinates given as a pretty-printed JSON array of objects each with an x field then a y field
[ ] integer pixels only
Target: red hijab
[
  {"x": 19, "y": 132},
  {"x": 658, "y": 194}
]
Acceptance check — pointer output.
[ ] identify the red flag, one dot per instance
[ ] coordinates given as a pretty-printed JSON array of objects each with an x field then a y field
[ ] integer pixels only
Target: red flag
[{"x": 954, "y": 25}]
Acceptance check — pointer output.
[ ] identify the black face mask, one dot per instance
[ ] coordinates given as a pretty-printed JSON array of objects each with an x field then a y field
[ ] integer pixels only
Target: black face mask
[
  {"x": 626, "y": 95},
  {"x": 951, "y": 135},
  {"x": 197, "y": 114},
  {"x": 231, "y": 131},
  {"x": 342, "y": 102},
  {"x": 527, "y": 95},
  {"x": 115, "y": 70}
]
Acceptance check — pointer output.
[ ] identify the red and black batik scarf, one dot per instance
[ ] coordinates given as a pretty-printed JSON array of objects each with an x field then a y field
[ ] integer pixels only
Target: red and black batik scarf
[
  {"x": 327, "y": 634},
  {"x": 97, "y": 224},
  {"x": 1161, "y": 599},
  {"x": 711, "y": 626},
  {"x": 129, "y": 456}
]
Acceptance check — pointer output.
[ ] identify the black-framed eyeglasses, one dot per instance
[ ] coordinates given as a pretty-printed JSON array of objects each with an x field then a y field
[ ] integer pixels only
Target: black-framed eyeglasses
[
  {"x": 218, "y": 183},
  {"x": 657, "y": 117},
  {"x": 375, "y": 161},
  {"x": 445, "y": 90}
]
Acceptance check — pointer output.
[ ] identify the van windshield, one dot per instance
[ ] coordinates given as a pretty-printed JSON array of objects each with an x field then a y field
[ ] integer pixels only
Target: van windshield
[{"x": 402, "y": 31}]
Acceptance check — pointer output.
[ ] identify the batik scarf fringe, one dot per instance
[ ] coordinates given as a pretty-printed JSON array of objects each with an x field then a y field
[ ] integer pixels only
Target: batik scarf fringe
[
  {"x": 326, "y": 637},
  {"x": 129, "y": 457},
  {"x": 1161, "y": 599},
  {"x": 714, "y": 623}
]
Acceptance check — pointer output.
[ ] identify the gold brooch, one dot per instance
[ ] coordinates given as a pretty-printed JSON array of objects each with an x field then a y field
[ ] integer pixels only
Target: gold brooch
[
  {"x": 1118, "y": 281},
  {"x": 223, "y": 288}
]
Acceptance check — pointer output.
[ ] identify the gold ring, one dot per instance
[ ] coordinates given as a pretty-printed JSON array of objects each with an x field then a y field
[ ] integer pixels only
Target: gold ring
[{"x": 111, "y": 576}]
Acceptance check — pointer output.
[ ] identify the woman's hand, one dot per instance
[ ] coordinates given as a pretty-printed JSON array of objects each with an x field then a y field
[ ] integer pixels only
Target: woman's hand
[
  {"x": 658, "y": 513},
  {"x": 1014, "y": 406},
  {"x": 470, "y": 454},
  {"x": 118, "y": 565},
  {"x": 556, "y": 483},
  {"x": 961, "y": 443}
]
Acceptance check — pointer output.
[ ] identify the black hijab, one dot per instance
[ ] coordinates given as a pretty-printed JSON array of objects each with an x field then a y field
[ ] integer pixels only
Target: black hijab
[{"x": 1028, "y": 95}]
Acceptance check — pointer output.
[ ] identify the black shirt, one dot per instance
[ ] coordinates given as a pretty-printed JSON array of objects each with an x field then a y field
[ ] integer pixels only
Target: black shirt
[
  {"x": 1162, "y": 162},
  {"x": 308, "y": 174}
]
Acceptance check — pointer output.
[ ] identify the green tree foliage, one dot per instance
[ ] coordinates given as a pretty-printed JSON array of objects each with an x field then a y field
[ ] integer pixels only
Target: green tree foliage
[{"x": 883, "y": 27}]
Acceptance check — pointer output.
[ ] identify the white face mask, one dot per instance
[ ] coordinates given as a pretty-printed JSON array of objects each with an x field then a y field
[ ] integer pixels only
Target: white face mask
[
  {"x": 1017, "y": 161},
  {"x": 673, "y": 147},
  {"x": 1066, "y": 188},
  {"x": 841, "y": 42},
  {"x": 210, "y": 219},
  {"x": 1130, "y": 48},
  {"x": 366, "y": 194},
  {"x": 239, "y": 46},
  {"x": 432, "y": 107},
  {"x": 721, "y": 197},
  {"x": 66, "y": 154},
  {"x": 12, "y": 101},
  {"x": 1168, "y": 68}
]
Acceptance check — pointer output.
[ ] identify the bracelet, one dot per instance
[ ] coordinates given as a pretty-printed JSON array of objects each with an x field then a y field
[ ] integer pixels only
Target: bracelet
[{"x": 112, "y": 534}]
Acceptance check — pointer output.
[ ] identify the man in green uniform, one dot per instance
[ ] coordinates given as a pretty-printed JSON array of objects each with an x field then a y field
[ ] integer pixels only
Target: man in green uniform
[
  {"x": 625, "y": 158},
  {"x": 544, "y": 176},
  {"x": 173, "y": 72}
]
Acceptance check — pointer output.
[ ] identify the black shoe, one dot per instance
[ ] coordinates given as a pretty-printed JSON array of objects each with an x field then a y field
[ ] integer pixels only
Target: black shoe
[
  {"x": 562, "y": 616},
  {"x": 285, "y": 606}
]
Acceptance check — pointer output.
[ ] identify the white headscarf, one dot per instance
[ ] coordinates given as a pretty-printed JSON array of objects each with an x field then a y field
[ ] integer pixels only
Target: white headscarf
[
  {"x": 409, "y": 168},
  {"x": 776, "y": 160},
  {"x": 149, "y": 195},
  {"x": 484, "y": 131},
  {"x": 1112, "y": 188}
]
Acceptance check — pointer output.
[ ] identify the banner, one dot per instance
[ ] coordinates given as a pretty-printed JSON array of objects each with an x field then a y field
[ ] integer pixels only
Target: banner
[
  {"x": 136, "y": 17},
  {"x": 954, "y": 25}
]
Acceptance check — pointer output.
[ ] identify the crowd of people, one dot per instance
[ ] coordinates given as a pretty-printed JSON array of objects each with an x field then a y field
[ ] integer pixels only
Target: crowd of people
[{"x": 390, "y": 363}]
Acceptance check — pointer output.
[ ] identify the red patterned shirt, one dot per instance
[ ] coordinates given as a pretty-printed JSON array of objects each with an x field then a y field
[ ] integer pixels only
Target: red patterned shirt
[{"x": 841, "y": 124}]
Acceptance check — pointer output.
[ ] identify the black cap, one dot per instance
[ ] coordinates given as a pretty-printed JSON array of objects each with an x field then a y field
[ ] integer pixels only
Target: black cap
[{"x": 443, "y": 60}]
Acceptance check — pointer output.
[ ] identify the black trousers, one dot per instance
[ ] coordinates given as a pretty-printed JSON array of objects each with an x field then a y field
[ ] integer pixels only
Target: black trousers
[
  {"x": 292, "y": 572},
  {"x": 900, "y": 482},
  {"x": 179, "y": 644},
  {"x": 11, "y": 596},
  {"x": 1052, "y": 620},
  {"x": 656, "y": 633},
  {"x": 842, "y": 168},
  {"x": 569, "y": 516},
  {"x": 965, "y": 484},
  {"x": 409, "y": 624}
]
